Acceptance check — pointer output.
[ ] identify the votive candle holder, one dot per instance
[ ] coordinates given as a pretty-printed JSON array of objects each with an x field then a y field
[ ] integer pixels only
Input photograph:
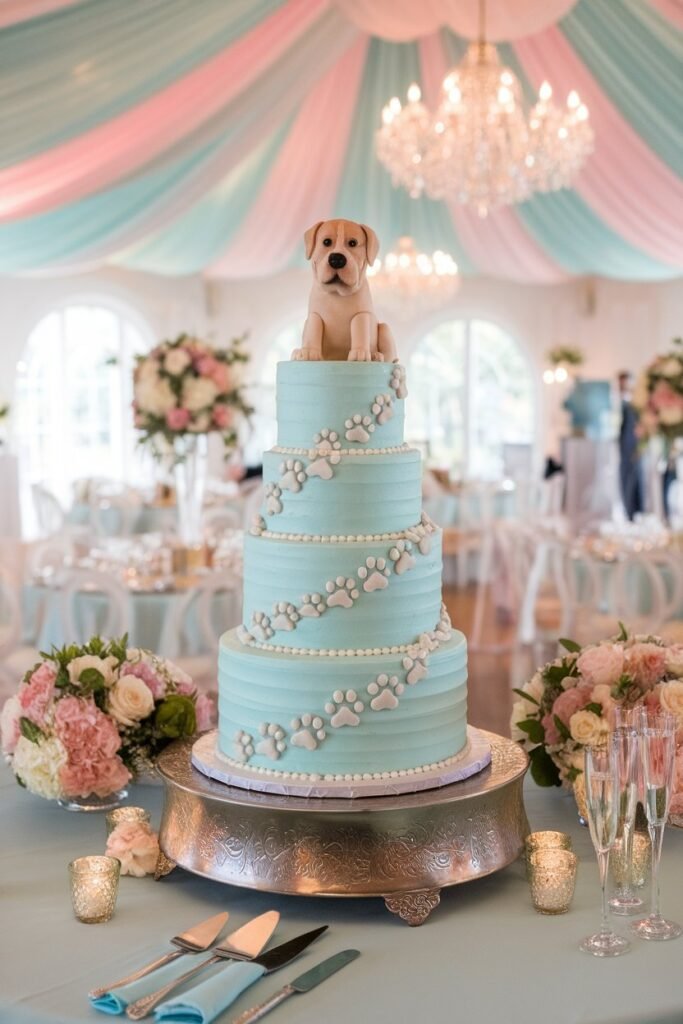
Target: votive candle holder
[
  {"x": 94, "y": 887},
  {"x": 552, "y": 877},
  {"x": 121, "y": 814},
  {"x": 640, "y": 861},
  {"x": 546, "y": 840}
]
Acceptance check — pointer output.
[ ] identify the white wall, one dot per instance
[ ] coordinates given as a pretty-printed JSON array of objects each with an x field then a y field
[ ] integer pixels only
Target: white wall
[{"x": 617, "y": 325}]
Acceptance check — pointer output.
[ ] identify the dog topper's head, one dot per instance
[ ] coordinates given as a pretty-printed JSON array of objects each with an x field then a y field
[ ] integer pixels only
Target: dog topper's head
[{"x": 340, "y": 251}]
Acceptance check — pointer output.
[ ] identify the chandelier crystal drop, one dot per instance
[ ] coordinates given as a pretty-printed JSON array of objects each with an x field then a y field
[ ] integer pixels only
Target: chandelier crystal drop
[
  {"x": 483, "y": 147},
  {"x": 415, "y": 278}
]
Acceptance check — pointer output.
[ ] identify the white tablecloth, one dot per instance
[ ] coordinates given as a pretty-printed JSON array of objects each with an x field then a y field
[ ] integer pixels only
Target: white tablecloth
[{"x": 483, "y": 956}]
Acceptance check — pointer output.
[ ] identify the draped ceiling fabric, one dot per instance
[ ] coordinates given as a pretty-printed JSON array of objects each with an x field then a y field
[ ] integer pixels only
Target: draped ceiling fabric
[{"x": 185, "y": 136}]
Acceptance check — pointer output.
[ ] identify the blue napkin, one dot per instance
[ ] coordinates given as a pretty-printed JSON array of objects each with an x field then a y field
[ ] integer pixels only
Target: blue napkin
[
  {"x": 203, "y": 1002},
  {"x": 118, "y": 999}
]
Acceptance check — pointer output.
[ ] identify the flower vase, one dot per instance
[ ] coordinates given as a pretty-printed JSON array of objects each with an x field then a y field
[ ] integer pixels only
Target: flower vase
[
  {"x": 94, "y": 803},
  {"x": 190, "y": 472}
]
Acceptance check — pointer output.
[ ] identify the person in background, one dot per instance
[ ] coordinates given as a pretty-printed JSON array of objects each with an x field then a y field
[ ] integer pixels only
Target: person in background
[{"x": 630, "y": 462}]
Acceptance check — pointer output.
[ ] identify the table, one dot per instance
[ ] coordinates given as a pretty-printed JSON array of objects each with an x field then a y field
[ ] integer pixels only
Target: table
[{"x": 483, "y": 956}]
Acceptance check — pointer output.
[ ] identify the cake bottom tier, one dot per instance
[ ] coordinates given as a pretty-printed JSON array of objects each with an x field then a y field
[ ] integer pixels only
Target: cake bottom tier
[{"x": 351, "y": 718}]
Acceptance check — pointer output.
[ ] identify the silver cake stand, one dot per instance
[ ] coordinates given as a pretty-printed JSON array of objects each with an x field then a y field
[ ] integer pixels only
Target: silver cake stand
[{"x": 403, "y": 848}]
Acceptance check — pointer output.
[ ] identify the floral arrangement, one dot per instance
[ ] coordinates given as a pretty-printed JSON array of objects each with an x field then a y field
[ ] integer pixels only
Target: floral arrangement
[
  {"x": 86, "y": 720},
  {"x": 187, "y": 386},
  {"x": 566, "y": 705},
  {"x": 136, "y": 846},
  {"x": 658, "y": 396},
  {"x": 565, "y": 355}
]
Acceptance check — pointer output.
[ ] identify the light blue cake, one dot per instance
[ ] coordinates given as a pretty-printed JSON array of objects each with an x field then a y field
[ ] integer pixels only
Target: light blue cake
[{"x": 346, "y": 666}]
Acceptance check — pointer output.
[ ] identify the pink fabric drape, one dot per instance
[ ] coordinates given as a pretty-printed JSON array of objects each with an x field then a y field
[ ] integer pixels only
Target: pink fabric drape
[
  {"x": 403, "y": 20},
  {"x": 499, "y": 244},
  {"x": 623, "y": 180},
  {"x": 307, "y": 172},
  {"x": 671, "y": 9},
  {"x": 111, "y": 151},
  {"x": 13, "y": 11}
]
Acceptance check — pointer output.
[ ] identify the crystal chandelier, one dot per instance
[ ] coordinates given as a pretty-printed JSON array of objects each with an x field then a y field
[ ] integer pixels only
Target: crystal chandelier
[
  {"x": 483, "y": 147},
  {"x": 414, "y": 278}
]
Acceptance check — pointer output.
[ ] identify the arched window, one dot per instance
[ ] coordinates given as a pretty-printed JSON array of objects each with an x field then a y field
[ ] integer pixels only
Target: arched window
[
  {"x": 263, "y": 426},
  {"x": 472, "y": 396},
  {"x": 74, "y": 393}
]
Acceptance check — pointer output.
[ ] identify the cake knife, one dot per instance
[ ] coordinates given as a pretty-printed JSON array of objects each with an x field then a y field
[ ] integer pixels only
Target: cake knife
[{"x": 304, "y": 983}]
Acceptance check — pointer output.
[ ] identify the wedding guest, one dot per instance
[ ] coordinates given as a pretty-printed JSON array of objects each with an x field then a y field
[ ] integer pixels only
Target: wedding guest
[{"x": 630, "y": 462}]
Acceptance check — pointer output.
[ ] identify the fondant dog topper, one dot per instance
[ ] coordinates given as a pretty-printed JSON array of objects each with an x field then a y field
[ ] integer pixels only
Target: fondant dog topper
[{"x": 341, "y": 321}]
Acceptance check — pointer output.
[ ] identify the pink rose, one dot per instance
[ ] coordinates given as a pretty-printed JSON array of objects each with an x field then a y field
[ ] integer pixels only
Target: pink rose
[
  {"x": 177, "y": 419},
  {"x": 36, "y": 695},
  {"x": 646, "y": 663},
  {"x": 9, "y": 724},
  {"x": 571, "y": 701},
  {"x": 552, "y": 736},
  {"x": 204, "y": 709},
  {"x": 206, "y": 366},
  {"x": 136, "y": 846},
  {"x": 221, "y": 377},
  {"x": 602, "y": 665},
  {"x": 222, "y": 416}
]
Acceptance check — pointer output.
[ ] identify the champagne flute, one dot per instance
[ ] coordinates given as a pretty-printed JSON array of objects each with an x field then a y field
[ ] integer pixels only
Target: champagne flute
[
  {"x": 658, "y": 751},
  {"x": 602, "y": 801},
  {"x": 627, "y": 751}
]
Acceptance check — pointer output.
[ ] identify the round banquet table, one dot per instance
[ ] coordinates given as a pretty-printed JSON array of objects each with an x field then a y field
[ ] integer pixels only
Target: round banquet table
[{"x": 484, "y": 955}]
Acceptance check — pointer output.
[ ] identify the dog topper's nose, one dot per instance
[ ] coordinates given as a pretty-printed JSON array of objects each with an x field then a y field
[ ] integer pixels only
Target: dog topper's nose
[{"x": 337, "y": 260}]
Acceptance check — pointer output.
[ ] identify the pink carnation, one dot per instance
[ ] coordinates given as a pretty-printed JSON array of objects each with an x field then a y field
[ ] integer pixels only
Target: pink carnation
[
  {"x": 601, "y": 666},
  {"x": 177, "y": 419},
  {"x": 221, "y": 377},
  {"x": 206, "y": 366},
  {"x": 35, "y": 697},
  {"x": 568, "y": 703},
  {"x": 204, "y": 709},
  {"x": 222, "y": 416},
  {"x": 91, "y": 741},
  {"x": 646, "y": 663},
  {"x": 144, "y": 671},
  {"x": 136, "y": 846}
]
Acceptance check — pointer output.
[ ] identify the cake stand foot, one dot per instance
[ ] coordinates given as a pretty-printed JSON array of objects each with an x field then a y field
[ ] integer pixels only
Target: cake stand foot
[
  {"x": 164, "y": 866},
  {"x": 413, "y": 907}
]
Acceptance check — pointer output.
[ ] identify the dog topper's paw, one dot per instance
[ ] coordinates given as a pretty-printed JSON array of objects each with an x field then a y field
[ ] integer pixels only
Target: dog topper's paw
[
  {"x": 383, "y": 408},
  {"x": 306, "y": 354},
  {"x": 344, "y": 709},
  {"x": 359, "y": 355},
  {"x": 359, "y": 428}
]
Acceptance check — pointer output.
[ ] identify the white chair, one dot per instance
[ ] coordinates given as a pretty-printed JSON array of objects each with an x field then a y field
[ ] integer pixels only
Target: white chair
[
  {"x": 93, "y": 602},
  {"x": 114, "y": 509},
  {"x": 15, "y": 658},
  {"x": 191, "y": 625},
  {"x": 49, "y": 512}
]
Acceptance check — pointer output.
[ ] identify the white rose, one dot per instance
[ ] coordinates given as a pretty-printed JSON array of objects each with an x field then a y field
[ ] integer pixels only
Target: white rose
[
  {"x": 520, "y": 711},
  {"x": 602, "y": 695},
  {"x": 107, "y": 667},
  {"x": 130, "y": 700},
  {"x": 154, "y": 396},
  {"x": 199, "y": 393},
  {"x": 176, "y": 361},
  {"x": 199, "y": 424},
  {"x": 38, "y": 764},
  {"x": 671, "y": 698},
  {"x": 674, "y": 660},
  {"x": 671, "y": 415},
  {"x": 147, "y": 372},
  {"x": 671, "y": 367},
  {"x": 535, "y": 688},
  {"x": 587, "y": 728}
]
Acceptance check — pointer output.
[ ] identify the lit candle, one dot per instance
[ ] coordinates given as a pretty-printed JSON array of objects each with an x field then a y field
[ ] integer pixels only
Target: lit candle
[
  {"x": 120, "y": 814},
  {"x": 94, "y": 887},
  {"x": 552, "y": 877}
]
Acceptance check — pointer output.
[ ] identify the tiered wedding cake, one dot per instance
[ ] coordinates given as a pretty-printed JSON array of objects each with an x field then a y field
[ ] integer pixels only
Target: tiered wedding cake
[{"x": 346, "y": 674}]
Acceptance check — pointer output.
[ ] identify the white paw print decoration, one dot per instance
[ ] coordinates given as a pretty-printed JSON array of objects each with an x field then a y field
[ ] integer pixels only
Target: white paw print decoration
[
  {"x": 374, "y": 574},
  {"x": 308, "y": 733},
  {"x": 243, "y": 746},
  {"x": 383, "y": 408},
  {"x": 312, "y": 606},
  {"x": 397, "y": 381},
  {"x": 261, "y": 628},
  {"x": 344, "y": 709},
  {"x": 401, "y": 556},
  {"x": 416, "y": 667},
  {"x": 285, "y": 616},
  {"x": 385, "y": 691},
  {"x": 359, "y": 428},
  {"x": 293, "y": 475},
  {"x": 273, "y": 742},
  {"x": 327, "y": 441},
  {"x": 342, "y": 592},
  {"x": 273, "y": 503}
]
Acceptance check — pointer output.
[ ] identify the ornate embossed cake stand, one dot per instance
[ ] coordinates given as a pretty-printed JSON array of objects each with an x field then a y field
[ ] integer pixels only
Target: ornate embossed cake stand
[{"x": 404, "y": 848}]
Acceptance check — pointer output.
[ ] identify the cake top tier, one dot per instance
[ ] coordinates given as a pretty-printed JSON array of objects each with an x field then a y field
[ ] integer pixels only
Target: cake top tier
[{"x": 343, "y": 406}]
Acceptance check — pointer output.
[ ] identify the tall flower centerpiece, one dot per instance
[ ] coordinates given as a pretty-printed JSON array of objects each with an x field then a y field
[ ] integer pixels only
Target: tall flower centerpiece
[
  {"x": 566, "y": 706},
  {"x": 658, "y": 396},
  {"x": 88, "y": 719},
  {"x": 184, "y": 390}
]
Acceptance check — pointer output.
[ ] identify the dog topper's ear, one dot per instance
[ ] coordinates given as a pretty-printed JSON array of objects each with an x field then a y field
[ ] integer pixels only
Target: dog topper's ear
[
  {"x": 371, "y": 244},
  {"x": 309, "y": 239}
]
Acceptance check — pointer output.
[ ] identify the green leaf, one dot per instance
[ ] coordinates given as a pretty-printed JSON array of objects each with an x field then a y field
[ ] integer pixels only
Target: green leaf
[
  {"x": 623, "y": 633},
  {"x": 91, "y": 679},
  {"x": 570, "y": 645},
  {"x": 176, "y": 717},
  {"x": 20, "y": 782},
  {"x": 561, "y": 728},
  {"x": 573, "y": 773},
  {"x": 533, "y": 728},
  {"x": 595, "y": 708},
  {"x": 30, "y": 731},
  {"x": 526, "y": 696},
  {"x": 544, "y": 771}
]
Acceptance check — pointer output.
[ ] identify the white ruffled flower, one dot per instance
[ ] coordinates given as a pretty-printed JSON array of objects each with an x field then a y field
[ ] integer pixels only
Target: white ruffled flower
[
  {"x": 154, "y": 395},
  {"x": 38, "y": 764},
  {"x": 587, "y": 728},
  {"x": 130, "y": 700},
  {"x": 200, "y": 423},
  {"x": 106, "y": 666},
  {"x": 535, "y": 687},
  {"x": 176, "y": 361},
  {"x": 520, "y": 711},
  {"x": 199, "y": 393},
  {"x": 671, "y": 698},
  {"x": 674, "y": 660},
  {"x": 671, "y": 367}
]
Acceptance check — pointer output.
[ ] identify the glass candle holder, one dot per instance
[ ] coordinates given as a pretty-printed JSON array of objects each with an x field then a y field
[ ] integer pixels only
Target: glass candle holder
[
  {"x": 547, "y": 840},
  {"x": 115, "y": 818},
  {"x": 552, "y": 877},
  {"x": 640, "y": 861},
  {"x": 94, "y": 886}
]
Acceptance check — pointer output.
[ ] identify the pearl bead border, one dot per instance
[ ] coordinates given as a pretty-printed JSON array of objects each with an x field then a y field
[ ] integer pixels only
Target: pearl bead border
[
  {"x": 315, "y": 450},
  {"x": 339, "y": 538}
]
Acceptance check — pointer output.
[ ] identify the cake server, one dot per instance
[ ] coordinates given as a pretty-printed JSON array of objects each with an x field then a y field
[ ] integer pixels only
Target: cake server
[
  {"x": 244, "y": 944},
  {"x": 304, "y": 983},
  {"x": 195, "y": 940}
]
